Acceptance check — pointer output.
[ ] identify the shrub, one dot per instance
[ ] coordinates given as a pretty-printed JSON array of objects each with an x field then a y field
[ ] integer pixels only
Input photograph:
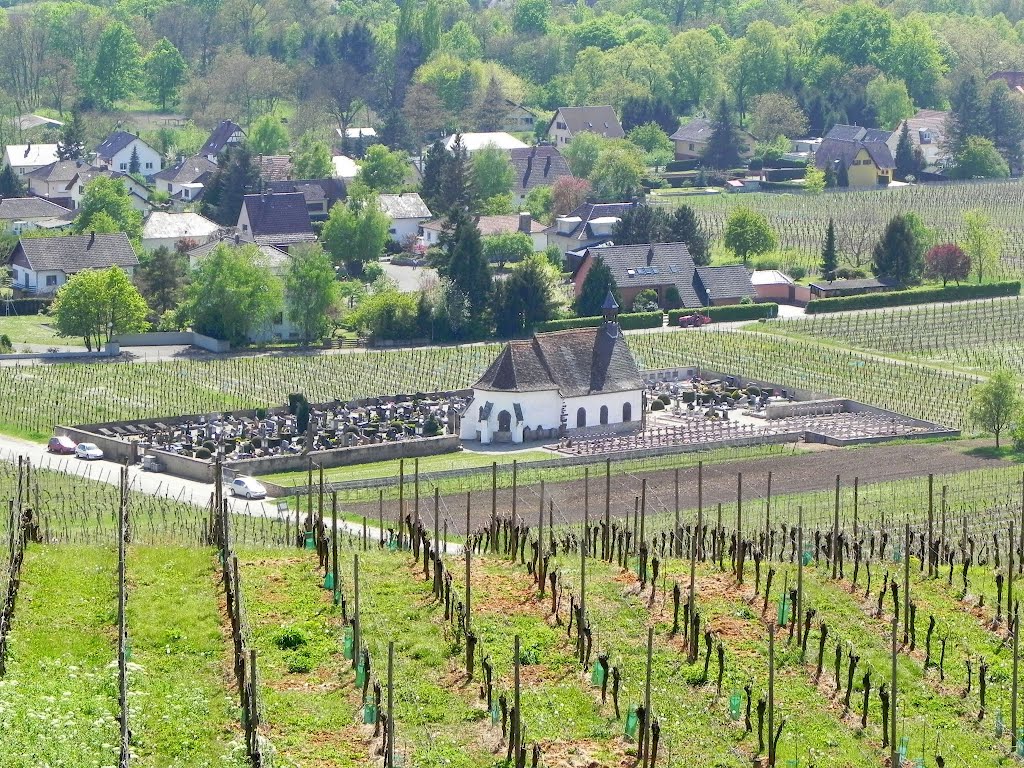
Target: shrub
[
  {"x": 203, "y": 453},
  {"x": 798, "y": 273},
  {"x": 666, "y": 399},
  {"x": 210, "y": 446},
  {"x": 300, "y": 662},
  {"x": 729, "y": 313},
  {"x": 628, "y": 322},
  {"x": 290, "y": 638},
  {"x": 1017, "y": 436},
  {"x": 5, "y": 344},
  {"x": 657, "y": 405},
  {"x": 915, "y": 296},
  {"x": 432, "y": 426}
]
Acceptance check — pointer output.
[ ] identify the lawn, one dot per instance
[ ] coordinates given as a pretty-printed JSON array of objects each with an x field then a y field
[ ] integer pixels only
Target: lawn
[
  {"x": 35, "y": 329},
  {"x": 58, "y": 702},
  {"x": 183, "y": 707}
]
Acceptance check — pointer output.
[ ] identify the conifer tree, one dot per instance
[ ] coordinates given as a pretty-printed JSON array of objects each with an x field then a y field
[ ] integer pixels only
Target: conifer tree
[{"x": 829, "y": 257}]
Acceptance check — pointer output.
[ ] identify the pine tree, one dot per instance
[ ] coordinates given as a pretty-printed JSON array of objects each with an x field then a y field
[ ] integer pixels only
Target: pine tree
[
  {"x": 641, "y": 224},
  {"x": 723, "y": 150},
  {"x": 469, "y": 272},
  {"x": 435, "y": 165},
  {"x": 843, "y": 175},
  {"x": 134, "y": 166},
  {"x": 235, "y": 177},
  {"x": 968, "y": 114},
  {"x": 897, "y": 256},
  {"x": 683, "y": 227},
  {"x": 829, "y": 257},
  {"x": 71, "y": 144},
  {"x": 906, "y": 162},
  {"x": 596, "y": 284},
  {"x": 457, "y": 181},
  {"x": 10, "y": 184}
]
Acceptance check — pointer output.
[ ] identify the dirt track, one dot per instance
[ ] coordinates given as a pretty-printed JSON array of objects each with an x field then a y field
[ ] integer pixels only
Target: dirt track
[{"x": 799, "y": 473}]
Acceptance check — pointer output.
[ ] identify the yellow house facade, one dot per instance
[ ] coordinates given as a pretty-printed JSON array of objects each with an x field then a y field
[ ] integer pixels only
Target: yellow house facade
[{"x": 865, "y": 172}]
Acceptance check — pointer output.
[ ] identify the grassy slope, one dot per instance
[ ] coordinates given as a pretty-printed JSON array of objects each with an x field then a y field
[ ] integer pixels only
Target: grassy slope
[
  {"x": 35, "y": 329},
  {"x": 58, "y": 703},
  {"x": 183, "y": 708}
]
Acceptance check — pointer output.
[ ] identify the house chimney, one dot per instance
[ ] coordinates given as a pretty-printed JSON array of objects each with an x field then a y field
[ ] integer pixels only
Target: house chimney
[
  {"x": 238, "y": 238},
  {"x": 547, "y": 166},
  {"x": 525, "y": 222},
  {"x": 28, "y": 148},
  {"x": 650, "y": 256},
  {"x": 92, "y": 238}
]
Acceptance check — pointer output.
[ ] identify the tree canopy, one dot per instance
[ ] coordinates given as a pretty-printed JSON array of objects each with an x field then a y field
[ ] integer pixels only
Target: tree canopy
[{"x": 96, "y": 305}]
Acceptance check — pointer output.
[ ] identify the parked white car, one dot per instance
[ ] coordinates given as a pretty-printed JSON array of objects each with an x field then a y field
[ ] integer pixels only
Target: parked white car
[
  {"x": 248, "y": 487},
  {"x": 88, "y": 451}
]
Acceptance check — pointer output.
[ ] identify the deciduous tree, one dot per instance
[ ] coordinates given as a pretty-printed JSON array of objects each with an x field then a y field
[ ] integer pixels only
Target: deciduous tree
[
  {"x": 355, "y": 233},
  {"x": 165, "y": 70},
  {"x": 493, "y": 173},
  {"x": 232, "y": 294},
  {"x": 947, "y": 262},
  {"x": 982, "y": 242},
  {"x": 748, "y": 233},
  {"x": 310, "y": 289},
  {"x": 384, "y": 170},
  {"x": 996, "y": 403},
  {"x": 109, "y": 196},
  {"x": 267, "y": 136},
  {"x": 98, "y": 304}
]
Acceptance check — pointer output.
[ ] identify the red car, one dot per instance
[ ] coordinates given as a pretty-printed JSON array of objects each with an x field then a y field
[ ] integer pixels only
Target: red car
[
  {"x": 693, "y": 321},
  {"x": 61, "y": 444}
]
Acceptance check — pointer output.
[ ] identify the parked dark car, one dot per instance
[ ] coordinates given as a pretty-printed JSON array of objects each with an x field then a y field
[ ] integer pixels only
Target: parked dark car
[{"x": 61, "y": 444}]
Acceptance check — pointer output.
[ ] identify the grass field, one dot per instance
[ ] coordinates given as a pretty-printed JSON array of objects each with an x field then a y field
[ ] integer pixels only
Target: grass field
[
  {"x": 34, "y": 329},
  {"x": 181, "y": 710},
  {"x": 58, "y": 702}
]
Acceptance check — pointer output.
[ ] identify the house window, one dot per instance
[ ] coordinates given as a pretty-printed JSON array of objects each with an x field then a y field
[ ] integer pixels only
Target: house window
[
  {"x": 627, "y": 412},
  {"x": 149, "y": 166},
  {"x": 279, "y": 318},
  {"x": 604, "y": 414},
  {"x": 81, "y": 190},
  {"x": 51, "y": 280},
  {"x": 691, "y": 147},
  {"x": 581, "y": 417},
  {"x": 124, "y": 166},
  {"x": 393, "y": 231},
  {"x": 504, "y": 421},
  {"x": 170, "y": 187},
  {"x": 245, "y": 227}
]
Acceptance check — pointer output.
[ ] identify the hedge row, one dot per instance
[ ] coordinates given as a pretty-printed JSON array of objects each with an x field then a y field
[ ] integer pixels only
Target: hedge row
[
  {"x": 914, "y": 296},
  {"x": 729, "y": 313},
  {"x": 628, "y": 322}
]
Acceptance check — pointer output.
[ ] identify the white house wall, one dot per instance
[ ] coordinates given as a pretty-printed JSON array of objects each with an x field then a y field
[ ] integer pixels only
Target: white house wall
[
  {"x": 401, "y": 228},
  {"x": 592, "y": 404}
]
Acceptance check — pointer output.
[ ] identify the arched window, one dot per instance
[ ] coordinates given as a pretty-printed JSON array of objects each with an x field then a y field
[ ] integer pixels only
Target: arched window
[
  {"x": 581, "y": 417},
  {"x": 604, "y": 414},
  {"x": 627, "y": 412},
  {"x": 504, "y": 421}
]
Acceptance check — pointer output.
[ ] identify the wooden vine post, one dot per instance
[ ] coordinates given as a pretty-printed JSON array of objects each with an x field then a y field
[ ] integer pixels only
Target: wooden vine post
[
  {"x": 768, "y": 510},
  {"x": 355, "y": 616},
  {"x": 335, "y": 584},
  {"x": 835, "y": 534},
  {"x": 540, "y": 533},
  {"x": 401, "y": 499},
  {"x": 606, "y": 542},
  {"x": 1013, "y": 682},
  {"x": 932, "y": 568},
  {"x": 416, "y": 488},
  {"x": 516, "y": 703},
  {"x": 515, "y": 493},
  {"x": 122, "y": 633},
  {"x": 799, "y": 607},
  {"x": 694, "y": 541},
  {"x": 906, "y": 582},
  {"x": 771, "y": 691},
  {"x": 468, "y": 551},
  {"x": 677, "y": 550},
  {"x": 856, "y": 505},
  {"x": 583, "y": 578},
  {"x": 389, "y": 752},
  {"x": 1009, "y": 573},
  {"x": 645, "y": 738},
  {"x": 494, "y": 509},
  {"x": 643, "y": 512},
  {"x": 894, "y": 755},
  {"x": 739, "y": 526}
]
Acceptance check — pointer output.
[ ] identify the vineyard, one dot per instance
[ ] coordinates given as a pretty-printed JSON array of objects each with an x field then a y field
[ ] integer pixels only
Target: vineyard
[
  {"x": 800, "y": 220},
  {"x": 33, "y": 398},
  {"x": 844, "y": 627},
  {"x": 981, "y": 336}
]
